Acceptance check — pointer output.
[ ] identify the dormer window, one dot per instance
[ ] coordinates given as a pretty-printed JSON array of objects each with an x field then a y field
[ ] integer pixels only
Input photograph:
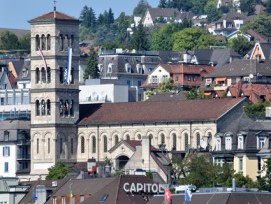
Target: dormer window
[
  {"x": 24, "y": 72},
  {"x": 100, "y": 67},
  {"x": 228, "y": 141},
  {"x": 110, "y": 68},
  {"x": 128, "y": 68},
  {"x": 218, "y": 144},
  {"x": 139, "y": 68},
  {"x": 261, "y": 141},
  {"x": 240, "y": 142}
]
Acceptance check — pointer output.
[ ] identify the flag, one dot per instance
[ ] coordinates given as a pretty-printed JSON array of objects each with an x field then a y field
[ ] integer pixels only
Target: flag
[
  {"x": 188, "y": 195},
  {"x": 167, "y": 196},
  {"x": 71, "y": 202},
  {"x": 42, "y": 56},
  {"x": 67, "y": 73},
  {"x": 34, "y": 195}
]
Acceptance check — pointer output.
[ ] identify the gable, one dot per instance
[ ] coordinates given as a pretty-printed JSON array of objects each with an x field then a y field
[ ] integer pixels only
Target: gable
[{"x": 257, "y": 51}]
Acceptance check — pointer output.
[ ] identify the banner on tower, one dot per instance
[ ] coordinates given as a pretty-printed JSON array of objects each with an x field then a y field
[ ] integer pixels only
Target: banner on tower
[{"x": 67, "y": 74}]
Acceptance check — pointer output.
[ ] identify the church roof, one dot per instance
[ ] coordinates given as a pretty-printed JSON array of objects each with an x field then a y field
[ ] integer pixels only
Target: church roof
[
  {"x": 53, "y": 15},
  {"x": 160, "y": 111}
]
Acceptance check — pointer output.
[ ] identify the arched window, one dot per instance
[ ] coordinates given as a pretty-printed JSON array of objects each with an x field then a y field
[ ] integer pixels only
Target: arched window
[
  {"x": 61, "y": 75},
  {"x": 72, "y": 75},
  {"x": 66, "y": 42},
  {"x": 66, "y": 108},
  {"x": 139, "y": 137},
  {"x": 48, "y": 42},
  {"x": 37, "y": 75},
  {"x": 43, "y": 42},
  {"x": 61, "y": 107},
  {"x": 72, "y": 40},
  {"x": 198, "y": 139},
  {"x": 37, "y": 42},
  {"x": 116, "y": 139},
  {"x": 105, "y": 144},
  {"x": 48, "y": 74},
  {"x": 38, "y": 145},
  {"x": 209, "y": 138},
  {"x": 186, "y": 141},
  {"x": 127, "y": 137},
  {"x": 71, "y": 145},
  {"x": 48, "y": 145},
  {"x": 174, "y": 141},
  {"x": 43, "y": 75},
  {"x": 37, "y": 107},
  {"x": 93, "y": 144},
  {"x": 82, "y": 144},
  {"x": 162, "y": 138},
  {"x": 42, "y": 107},
  {"x": 61, "y": 42},
  {"x": 61, "y": 145},
  {"x": 48, "y": 107},
  {"x": 71, "y": 108},
  {"x": 151, "y": 137}
]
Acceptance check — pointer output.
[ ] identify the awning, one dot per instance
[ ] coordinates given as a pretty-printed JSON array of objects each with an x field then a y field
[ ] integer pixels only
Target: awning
[
  {"x": 220, "y": 79},
  {"x": 207, "y": 93}
]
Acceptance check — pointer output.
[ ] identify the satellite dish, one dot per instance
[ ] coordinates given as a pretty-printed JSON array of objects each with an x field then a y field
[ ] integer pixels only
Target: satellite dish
[
  {"x": 203, "y": 144},
  {"x": 251, "y": 76}
]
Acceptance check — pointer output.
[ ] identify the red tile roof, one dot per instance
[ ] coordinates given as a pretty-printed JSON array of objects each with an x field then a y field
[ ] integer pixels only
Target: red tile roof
[
  {"x": 54, "y": 15},
  {"x": 162, "y": 111}
]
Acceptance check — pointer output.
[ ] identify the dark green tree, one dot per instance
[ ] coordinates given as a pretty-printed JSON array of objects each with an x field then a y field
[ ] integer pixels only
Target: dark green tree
[
  {"x": 212, "y": 12},
  {"x": 110, "y": 17},
  {"x": 161, "y": 39},
  {"x": 139, "y": 39},
  {"x": 256, "y": 110},
  {"x": 92, "y": 70},
  {"x": 248, "y": 6},
  {"x": 198, "y": 6},
  {"x": 240, "y": 45},
  {"x": 24, "y": 42},
  {"x": 268, "y": 6},
  {"x": 88, "y": 18},
  {"x": 162, "y": 4},
  {"x": 265, "y": 182},
  {"x": 8, "y": 41},
  {"x": 184, "y": 5},
  {"x": 141, "y": 8},
  {"x": 58, "y": 171}
]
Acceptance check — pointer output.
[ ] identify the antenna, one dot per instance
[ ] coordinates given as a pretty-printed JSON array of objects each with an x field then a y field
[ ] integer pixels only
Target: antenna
[{"x": 54, "y": 5}]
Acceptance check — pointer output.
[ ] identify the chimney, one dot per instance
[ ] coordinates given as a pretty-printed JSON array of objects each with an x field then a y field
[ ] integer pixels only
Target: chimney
[
  {"x": 146, "y": 151},
  {"x": 268, "y": 112}
]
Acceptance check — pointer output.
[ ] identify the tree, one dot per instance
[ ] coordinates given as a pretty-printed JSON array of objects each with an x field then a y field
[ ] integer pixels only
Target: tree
[
  {"x": 212, "y": 12},
  {"x": 24, "y": 42},
  {"x": 88, "y": 18},
  {"x": 256, "y": 110},
  {"x": 241, "y": 45},
  {"x": 193, "y": 38},
  {"x": 198, "y": 7},
  {"x": 268, "y": 6},
  {"x": 8, "y": 41},
  {"x": 92, "y": 70},
  {"x": 58, "y": 171},
  {"x": 265, "y": 182},
  {"x": 139, "y": 40},
  {"x": 261, "y": 23},
  {"x": 248, "y": 6},
  {"x": 195, "y": 94},
  {"x": 162, "y": 4},
  {"x": 141, "y": 8},
  {"x": 166, "y": 86}
]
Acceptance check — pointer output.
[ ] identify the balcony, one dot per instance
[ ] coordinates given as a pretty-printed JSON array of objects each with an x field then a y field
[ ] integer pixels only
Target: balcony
[
  {"x": 220, "y": 87},
  {"x": 23, "y": 156}
]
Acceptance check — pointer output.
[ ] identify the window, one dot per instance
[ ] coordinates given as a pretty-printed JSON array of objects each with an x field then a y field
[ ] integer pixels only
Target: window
[
  {"x": 186, "y": 141},
  {"x": 42, "y": 107},
  {"x": 139, "y": 83},
  {"x": 72, "y": 75},
  {"x": 48, "y": 42},
  {"x": 128, "y": 82},
  {"x": 116, "y": 139},
  {"x": 139, "y": 137},
  {"x": 6, "y": 135},
  {"x": 37, "y": 107},
  {"x": 48, "y": 107},
  {"x": 71, "y": 108},
  {"x": 48, "y": 144},
  {"x": 154, "y": 79},
  {"x": 177, "y": 78},
  {"x": 240, "y": 163},
  {"x": 54, "y": 200},
  {"x": 174, "y": 141},
  {"x": 259, "y": 164},
  {"x": 127, "y": 137},
  {"x": 93, "y": 144},
  {"x": 43, "y": 40},
  {"x": 82, "y": 144},
  {"x": 228, "y": 143},
  {"x": 71, "y": 145},
  {"x": 37, "y": 42},
  {"x": 48, "y": 75},
  {"x": 194, "y": 78},
  {"x": 162, "y": 138},
  {"x": 105, "y": 144},
  {"x": 66, "y": 108},
  {"x": 188, "y": 78},
  {"x": 198, "y": 139},
  {"x": 6, "y": 151},
  {"x": 61, "y": 146},
  {"x": 61, "y": 107},
  {"x": 6, "y": 167},
  {"x": 261, "y": 141},
  {"x": 139, "y": 68},
  {"x": 63, "y": 200},
  {"x": 38, "y": 146},
  {"x": 82, "y": 198},
  {"x": 218, "y": 144},
  {"x": 61, "y": 42},
  {"x": 219, "y": 161},
  {"x": 61, "y": 75},
  {"x": 128, "y": 67},
  {"x": 37, "y": 75},
  {"x": 110, "y": 68},
  {"x": 240, "y": 142}
]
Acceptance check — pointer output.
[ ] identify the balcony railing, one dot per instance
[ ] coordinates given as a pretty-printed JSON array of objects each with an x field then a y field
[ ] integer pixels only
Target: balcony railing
[{"x": 23, "y": 156}]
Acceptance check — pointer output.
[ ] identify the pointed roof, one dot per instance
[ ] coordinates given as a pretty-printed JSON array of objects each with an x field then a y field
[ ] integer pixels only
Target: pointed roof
[{"x": 51, "y": 16}]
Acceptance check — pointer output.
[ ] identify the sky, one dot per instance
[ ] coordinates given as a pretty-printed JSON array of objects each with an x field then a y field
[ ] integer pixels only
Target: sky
[{"x": 16, "y": 13}]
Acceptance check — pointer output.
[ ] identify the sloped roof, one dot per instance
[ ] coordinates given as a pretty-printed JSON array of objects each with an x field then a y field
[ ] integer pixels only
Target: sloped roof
[
  {"x": 231, "y": 16},
  {"x": 266, "y": 48},
  {"x": 162, "y": 111},
  {"x": 203, "y": 55},
  {"x": 164, "y": 12},
  {"x": 53, "y": 16},
  {"x": 13, "y": 126},
  {"x": 167, "y": 96},
  {"x": 222, "y": 56},
  {"x": 257, "y": 36},
  {"x": 243, "y": 67}
]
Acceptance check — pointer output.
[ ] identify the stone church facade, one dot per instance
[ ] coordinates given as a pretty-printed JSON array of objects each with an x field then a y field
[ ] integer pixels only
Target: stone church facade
[{"x": 61, "y": 131}]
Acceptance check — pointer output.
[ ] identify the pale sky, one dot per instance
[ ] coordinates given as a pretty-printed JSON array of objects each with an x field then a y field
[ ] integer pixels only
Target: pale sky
[{"x": 17, "y": 13}]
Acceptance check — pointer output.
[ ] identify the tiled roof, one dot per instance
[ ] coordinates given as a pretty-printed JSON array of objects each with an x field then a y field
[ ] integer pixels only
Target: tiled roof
[
  {"x": 232, "y": 16},
  {"x": 257, "y": 36},
  {"x": 167, "y": 96},
  {"x": 166, "y": 111},
  {"x": 13, "y": 126},
  {"x": 266, "y": 48},
  {"x": 164, "y": 12},
  {"x": 243, "y": 68},
  {"x": 53, "y": 15}
]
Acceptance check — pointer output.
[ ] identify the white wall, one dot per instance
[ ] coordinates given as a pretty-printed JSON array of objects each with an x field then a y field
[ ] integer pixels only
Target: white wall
[{"x": 10, "y": 159}]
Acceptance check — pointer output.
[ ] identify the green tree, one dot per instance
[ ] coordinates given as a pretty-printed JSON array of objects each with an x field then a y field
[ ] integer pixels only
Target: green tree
[
  {"x": 256, "y": 110},
  {"x": 212, "y": 12},
  {"x": 161, "y": 39},
  {"x": 261, "y": 23},
  {"x": 139, "y": 39},
  {"x": 195, "y": 94},
  {"x": 88, "y": 18},
  {"x": 58, "y": 171},
  {"x": 24, "y": 42},
  {"x": 193, "y": 38},
  {"x": 92, "y": 70},
  {"x": 8, "y": 41},
  {"x": 244, "y": 181},
  {"x": 265, "y": 182},
  {"x": 141, "y": 8},
  {"x": 166, "y": 86},
  {"x": 184, "y": 5},
  {"x": 162, "y": 4},
  {"x": 268, "y": 6},
  {"x": 248, "y": 6},
  {"x": 198, "y": 6},
  {"x": 240, "y": 45}
]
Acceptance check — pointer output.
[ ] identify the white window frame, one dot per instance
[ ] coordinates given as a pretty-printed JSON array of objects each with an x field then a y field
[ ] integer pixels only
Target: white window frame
[
  {"x": 260, "y": 142},
  {"x": 110, "y": 68},
  {"x": 6, "y": 151},
  {"x": 154, "y": 79},
  {"x": 218, "y": 144},
  {"x": 228, "y": 143},
  {"x": 241, "y": 164},
  {"x": 240, "y": 142},
  {"x": 219, "y": 161}
]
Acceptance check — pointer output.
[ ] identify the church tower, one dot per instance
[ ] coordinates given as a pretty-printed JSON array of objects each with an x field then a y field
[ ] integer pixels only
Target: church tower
[{"x": 54, "y": 90}]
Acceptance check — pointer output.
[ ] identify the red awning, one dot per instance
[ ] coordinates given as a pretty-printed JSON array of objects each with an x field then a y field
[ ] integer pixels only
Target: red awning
[{"x": 221, "y": 79}]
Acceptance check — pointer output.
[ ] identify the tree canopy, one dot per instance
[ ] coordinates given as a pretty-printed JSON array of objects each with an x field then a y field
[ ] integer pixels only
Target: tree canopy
[
  {"x": 92, "y": 70},
  {"x": 8, "y": 41},
  {"x": 58, "y": 171}
]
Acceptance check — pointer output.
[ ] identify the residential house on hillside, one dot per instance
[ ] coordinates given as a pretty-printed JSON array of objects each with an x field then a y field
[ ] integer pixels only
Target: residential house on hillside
[
  {"x": 250, "y": 35},
  {"x": 228, "y": 23},
  {"x": 183, "y": 76},
  {"x": 153, "y": 15},
  {"x": 229, "y": 3},
  {"x": 15, "y": 148}
]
